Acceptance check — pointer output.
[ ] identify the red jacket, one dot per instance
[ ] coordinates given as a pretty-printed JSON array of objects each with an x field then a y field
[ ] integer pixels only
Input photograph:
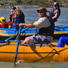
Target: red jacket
[{"x": 4, "y": 25}]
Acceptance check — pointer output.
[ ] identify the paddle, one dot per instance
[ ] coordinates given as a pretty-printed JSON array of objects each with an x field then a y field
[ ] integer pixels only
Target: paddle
[
  {"x": 11, "y": 37},
  {"x": 18, "y": 41}
]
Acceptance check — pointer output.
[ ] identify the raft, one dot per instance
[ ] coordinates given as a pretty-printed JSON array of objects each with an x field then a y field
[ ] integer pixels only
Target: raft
[
  {"x": 33, "y": 53},
  {"x": 61, "y": 30},
  {"x": 58, "y": 32},
  {"x": 7, "y": 32}
]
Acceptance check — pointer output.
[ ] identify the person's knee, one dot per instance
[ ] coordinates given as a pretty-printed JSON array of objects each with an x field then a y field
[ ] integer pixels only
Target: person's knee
[
  {"x": 61, "y": 42},
  {"x": 27, "y": 40},
  {"x": 61, "y": 38}
]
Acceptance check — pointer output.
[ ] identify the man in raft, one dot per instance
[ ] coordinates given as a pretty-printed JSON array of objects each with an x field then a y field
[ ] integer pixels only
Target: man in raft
[{"x": 43, "y": 26}]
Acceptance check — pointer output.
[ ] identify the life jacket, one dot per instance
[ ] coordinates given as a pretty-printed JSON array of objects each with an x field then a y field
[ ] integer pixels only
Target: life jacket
[
  {"x": 4, "y": 25},
  {"x": 17, "y": 19},
  {"x": 22, "y": 17},
  {"x": 47, "y": 31},
  {"x": 10, "y": 17},
  {"x": 52, "y": 14}
]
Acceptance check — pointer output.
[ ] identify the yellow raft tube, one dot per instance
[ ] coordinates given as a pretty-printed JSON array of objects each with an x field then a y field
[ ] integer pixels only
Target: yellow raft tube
[{"x": 33, "y": 53}]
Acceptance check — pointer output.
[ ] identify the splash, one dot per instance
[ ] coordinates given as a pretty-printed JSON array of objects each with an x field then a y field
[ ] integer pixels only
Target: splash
[{"x": 19, "y": 61}]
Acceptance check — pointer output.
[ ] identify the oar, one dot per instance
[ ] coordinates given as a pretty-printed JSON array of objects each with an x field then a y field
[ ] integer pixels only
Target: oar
[
  {"x": 11, "y": 37},
  {"x": 18, "y": 40}
]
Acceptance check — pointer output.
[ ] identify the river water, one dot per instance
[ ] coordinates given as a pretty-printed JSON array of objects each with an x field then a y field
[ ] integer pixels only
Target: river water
[{"x": 30, "y": 16}]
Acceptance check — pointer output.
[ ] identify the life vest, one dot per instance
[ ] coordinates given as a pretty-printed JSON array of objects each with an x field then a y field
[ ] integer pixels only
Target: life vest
[
  {"x": 4, "y": 25},
  {"x": 47, "y": 31},
  {"x": 22, "y": 17},
  {"x": 17, "y": 19},
  {"x": 10, "y": 17},
  {"x": 52, "y": 14}
]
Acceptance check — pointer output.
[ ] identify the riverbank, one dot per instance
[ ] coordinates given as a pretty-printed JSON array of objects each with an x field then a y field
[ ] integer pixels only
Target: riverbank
[{"x": 46, "y": 3}]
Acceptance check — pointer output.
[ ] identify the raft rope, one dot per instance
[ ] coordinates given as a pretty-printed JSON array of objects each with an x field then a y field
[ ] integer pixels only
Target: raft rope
[{"x": 50, "y": 45}]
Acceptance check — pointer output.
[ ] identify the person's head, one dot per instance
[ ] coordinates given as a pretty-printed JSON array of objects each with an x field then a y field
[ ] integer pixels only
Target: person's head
[
  {"x": 42, "y": 11},
  {"x": 12, "y": 9},
  {"x": 56, "y": 5},
  {"x": 3, "y": 19},
  {"x": 16, "y": 12}
]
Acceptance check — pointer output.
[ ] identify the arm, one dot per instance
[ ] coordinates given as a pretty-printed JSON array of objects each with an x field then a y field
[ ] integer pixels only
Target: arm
[
  {"x": 27, "y": 25},
  {"x": 55, "y": 16}
]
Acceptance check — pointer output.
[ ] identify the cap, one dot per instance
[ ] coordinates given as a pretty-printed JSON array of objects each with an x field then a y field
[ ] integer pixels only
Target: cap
[{"x": 41, "y": 9}]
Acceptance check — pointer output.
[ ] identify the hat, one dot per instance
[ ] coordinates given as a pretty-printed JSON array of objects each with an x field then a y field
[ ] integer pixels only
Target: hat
[{"x": 41, "y": 9}]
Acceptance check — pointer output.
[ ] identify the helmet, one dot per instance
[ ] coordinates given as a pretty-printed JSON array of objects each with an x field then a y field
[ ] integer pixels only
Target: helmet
[
  {"x": 56, "y": 4},
  {"x": 2, "y": 18}
]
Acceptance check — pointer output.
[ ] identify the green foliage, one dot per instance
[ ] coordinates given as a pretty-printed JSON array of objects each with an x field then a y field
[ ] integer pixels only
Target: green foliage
[
  {"x": 16, "y": 1},
  {"x": 47, "y": 3}
]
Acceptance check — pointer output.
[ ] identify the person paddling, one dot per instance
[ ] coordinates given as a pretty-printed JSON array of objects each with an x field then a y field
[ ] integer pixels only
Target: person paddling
[{"x": 43, "y": 26}]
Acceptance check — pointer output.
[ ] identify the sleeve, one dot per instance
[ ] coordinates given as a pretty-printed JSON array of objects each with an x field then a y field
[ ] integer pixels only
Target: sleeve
[
  {"x": 42, "y": 22},
  {"x": 39, "y": 22},
  {"x": 56, "y": 11}
]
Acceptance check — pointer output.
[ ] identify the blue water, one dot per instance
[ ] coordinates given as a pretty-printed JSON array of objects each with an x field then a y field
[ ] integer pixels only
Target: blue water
[{"x": 30, "y": 16}]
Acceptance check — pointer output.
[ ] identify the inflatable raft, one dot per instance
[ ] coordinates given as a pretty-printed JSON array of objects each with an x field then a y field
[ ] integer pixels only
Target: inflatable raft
[
  {"x": 58, "y": 32},
  {"x": 33, "y": 53}
]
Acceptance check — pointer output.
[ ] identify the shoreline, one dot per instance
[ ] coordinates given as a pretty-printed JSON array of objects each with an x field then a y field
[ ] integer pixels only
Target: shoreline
[
  {"x": 39, "y": 3},
  {"x": 25, "y": 6}
]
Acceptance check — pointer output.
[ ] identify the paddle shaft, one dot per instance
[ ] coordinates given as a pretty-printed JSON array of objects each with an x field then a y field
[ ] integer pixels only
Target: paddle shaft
[
  {"x": 18, "y": 40},
  {"x": 11, "y": 37}
]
